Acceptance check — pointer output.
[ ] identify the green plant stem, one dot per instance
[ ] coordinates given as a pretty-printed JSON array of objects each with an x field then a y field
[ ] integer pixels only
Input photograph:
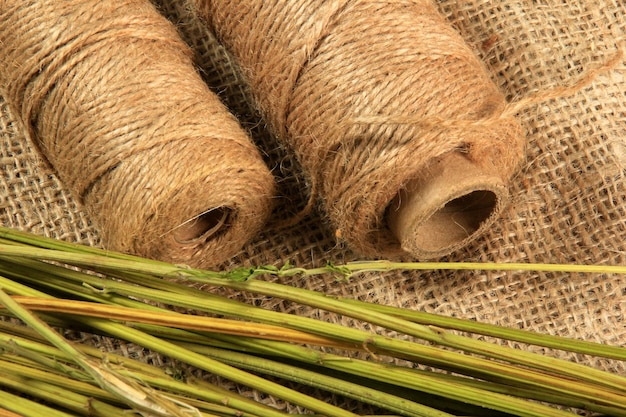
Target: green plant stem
[
  {"x": 353, "y": 268},
  {"x": 361, "y": 312},
  {"x": 12, "y": 236},
  {"x": 578, "y": 346},
  {"x": 131, "y": 393},
  {"x": 429, "y": 383},
  {"x": 600, "y": 387},
  {"x": 26, "y": 370},
  {"x": 399, "y": 376},
  {"x": 506, "y": 333},
  {"x": 166, "y": 348},
  {"x": 105, "y": 262},
  {"x": 168, "y": 318},
  {"x": 28, "y": 408},
  {"x": 202, "y": 362},
  {"x": 428, "y": 334},
  {"x": 154, "y": 377},
  {"x": 361, "y": 393},
  {"x": 81, "y": 397},
  {"x": 505, "y": 403},
  {"x": 427, "y": 354},
  {"x": 197, "y": 395},
  {"x": 300, "y": 354},
  {"x": 421, "y": 382},
  {"x": 61, "y": 396},
  {"x": 544, "y": 340}
]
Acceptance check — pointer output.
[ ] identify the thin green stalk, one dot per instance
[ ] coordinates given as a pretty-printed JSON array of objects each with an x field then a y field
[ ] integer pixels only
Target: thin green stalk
[
  {"x": 458, "y": 342},
  {"x": 349, "y": 269},
  {"x": 498, "y": 402},
  {"x": 481, "y": 396},
  {"x": 537, "y": 379},
  {"x": 107, "y": 262},
  {"x": 362, "y": 312},
  {"x": 40, "y": 327},
  {"x": 353, "y": 268},
  {"x": 506, "y": 333},
  {"x": 154, "y": 377},
  {"x": 15, "y": 287},
  {"x": 301, "y": 354},
  {"x": 421, "y": 352},
  {"x": 202, "y": 362},
  {"x": 131, "y": 393},
  {"x": 28, "y": 408},
  {"x": 11, "y": 366},
  {"x": 536, "y": 395},
  {"x": 13, "y": 236},
  {"x": 71, "y": 397},
  {"x": 166, "y": 318},
  {"x": 423, "y": 382},
  {"x": 361, "y": 393},
  {"x": 143, "y": 339},
  {"x": 166, "y": 348},
  {"x": 206, "y": 397},
  {"x": 406, "y": 378},
  {"x": 575, "y": 346},
  {"x": 64, "y": 397}
]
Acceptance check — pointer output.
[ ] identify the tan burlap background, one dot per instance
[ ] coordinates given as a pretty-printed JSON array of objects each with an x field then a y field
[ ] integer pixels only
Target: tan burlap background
[{"x": 568, "y": 201}]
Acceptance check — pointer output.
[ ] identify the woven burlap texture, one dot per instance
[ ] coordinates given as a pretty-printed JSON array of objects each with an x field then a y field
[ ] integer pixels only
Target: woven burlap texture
[{"x": 568, "y": 200}]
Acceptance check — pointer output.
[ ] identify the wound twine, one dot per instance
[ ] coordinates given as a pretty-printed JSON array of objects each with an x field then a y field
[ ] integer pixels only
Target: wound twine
[
  {"x": 109, "y": 93},
  {"x": 407, "y": 141}
]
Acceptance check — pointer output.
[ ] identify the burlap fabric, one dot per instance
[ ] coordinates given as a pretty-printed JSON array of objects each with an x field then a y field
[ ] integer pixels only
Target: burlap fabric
[{"x": 568, "y": 201}]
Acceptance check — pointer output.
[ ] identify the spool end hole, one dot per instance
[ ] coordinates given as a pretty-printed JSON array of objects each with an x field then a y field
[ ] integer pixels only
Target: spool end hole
[
  {"x": 456, "y": 221},
  {"x": 208, "y": 225}
]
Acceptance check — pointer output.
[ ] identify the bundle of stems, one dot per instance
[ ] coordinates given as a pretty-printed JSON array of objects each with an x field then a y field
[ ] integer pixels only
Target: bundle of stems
[{"x": 50, "y": 285}]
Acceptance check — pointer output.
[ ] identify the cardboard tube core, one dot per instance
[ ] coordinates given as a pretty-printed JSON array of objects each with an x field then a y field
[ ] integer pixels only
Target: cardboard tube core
[
  {"x": 205, "y": 226},
  {"x": 445, "y": 207}
]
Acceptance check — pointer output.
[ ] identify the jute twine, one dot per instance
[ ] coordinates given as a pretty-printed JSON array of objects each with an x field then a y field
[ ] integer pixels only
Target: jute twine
[
  {"x": 402, "y": 132},
  {"x": 110, "y": 96}
]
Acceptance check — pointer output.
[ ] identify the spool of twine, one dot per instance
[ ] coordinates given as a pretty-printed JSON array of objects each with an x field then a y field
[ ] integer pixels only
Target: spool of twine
[
  {"x": 405, "y": 137},
  {"x": 108, "y": 92}
]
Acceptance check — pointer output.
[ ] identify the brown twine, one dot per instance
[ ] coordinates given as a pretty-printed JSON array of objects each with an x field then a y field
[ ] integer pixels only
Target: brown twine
[
  {"x": 586, "y": 79},
  {"x": 329, "y": 76},
  {"x": 109, "y": 93}
]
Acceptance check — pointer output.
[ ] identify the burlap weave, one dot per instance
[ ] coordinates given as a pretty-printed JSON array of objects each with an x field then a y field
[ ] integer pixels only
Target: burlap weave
[{"x": 568, "y": 201}]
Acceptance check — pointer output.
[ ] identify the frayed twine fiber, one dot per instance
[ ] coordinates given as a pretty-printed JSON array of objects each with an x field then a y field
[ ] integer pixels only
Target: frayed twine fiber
[
  {"x": 331, "y": 78},
  {"x": 109, "y": 93}
]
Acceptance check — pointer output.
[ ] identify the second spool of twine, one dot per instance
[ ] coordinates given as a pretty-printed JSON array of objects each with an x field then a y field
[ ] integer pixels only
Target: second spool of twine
[{"x": 405, "y": 137}]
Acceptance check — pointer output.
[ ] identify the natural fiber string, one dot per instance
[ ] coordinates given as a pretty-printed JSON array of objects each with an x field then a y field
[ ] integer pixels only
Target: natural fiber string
[
  {"x": 109, "y": 93},
  {"x": 585, "y": 80},
  {"x": 327, "y": 75}
]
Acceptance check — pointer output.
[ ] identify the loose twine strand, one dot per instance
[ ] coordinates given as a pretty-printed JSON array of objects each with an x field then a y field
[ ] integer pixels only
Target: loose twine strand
[
  {"x": 587, "y": 78},
  {"x": 109, "y": 94}
]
